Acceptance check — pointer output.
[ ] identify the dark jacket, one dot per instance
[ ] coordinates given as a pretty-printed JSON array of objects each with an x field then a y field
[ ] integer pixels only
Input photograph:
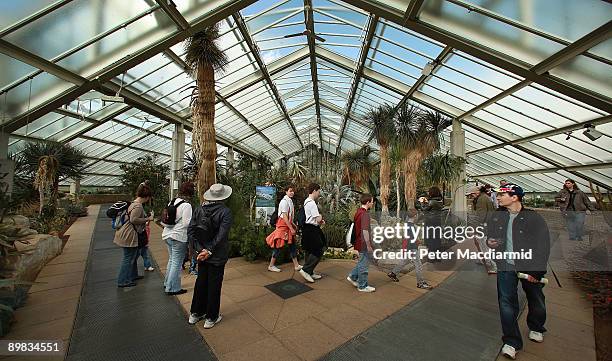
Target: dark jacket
[
  {"x": 581, "y": 201},
  {"x": 529, "y": 231},
  {"x": 433, "y": 212},
  {"x": 483, "y": 209},
  {"x": 215, "y": 240},
  {"x": 313, "y": 240}
]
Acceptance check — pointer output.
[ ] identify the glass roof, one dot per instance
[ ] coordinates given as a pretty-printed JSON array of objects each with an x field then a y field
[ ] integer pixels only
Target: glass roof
[{"x": 524, "y": 78}]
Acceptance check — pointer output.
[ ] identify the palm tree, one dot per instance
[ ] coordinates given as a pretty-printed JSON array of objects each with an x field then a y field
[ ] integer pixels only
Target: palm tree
[
  {"x": 395, "y": 155},
  {"x": 418, "y": 136},
  {"x": 297, "y": 172},
  {"x": 49, "y": 163},
  {"x": 357, "y": 166},
  {"x": 384, "y": 131},
  {"x": 204, "y": 57},
  {"x": 441, "y": 169}
]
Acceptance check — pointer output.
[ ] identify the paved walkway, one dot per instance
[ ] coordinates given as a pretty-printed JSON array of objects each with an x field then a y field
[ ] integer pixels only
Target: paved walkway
[
  {"x": 137, "y": 323},
  {"x": 398, "y": 322}
]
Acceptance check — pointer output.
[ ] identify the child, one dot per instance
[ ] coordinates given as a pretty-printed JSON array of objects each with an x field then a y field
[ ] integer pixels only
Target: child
[{"x": 416, "y": 260}]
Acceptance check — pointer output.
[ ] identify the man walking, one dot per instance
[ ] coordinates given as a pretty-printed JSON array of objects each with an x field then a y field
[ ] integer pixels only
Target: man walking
[
  {"x": 208, "y": 232},
  {"x": 363, "y": 244},
  {"x": 511, "y": 230},
  {"x": 313, "y": 239},
  {"x": 483, "y": 210}
]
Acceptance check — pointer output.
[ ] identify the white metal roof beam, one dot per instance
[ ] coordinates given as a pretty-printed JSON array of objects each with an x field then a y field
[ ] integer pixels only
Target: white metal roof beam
[
  {"x": 217, "y": 10},
  {"x": 309, "y": 20},
  {"x": 371, "y": 30},
  {"x": 591, "y": 166},
  {"x": 264, "y": 70},
  {"x": 599, "y": 101}
]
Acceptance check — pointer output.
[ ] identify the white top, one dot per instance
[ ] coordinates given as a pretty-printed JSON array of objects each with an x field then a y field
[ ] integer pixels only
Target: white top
[
  {"x": 286, "y": 206},
  {"x": 312, "y": 211},
  {"x": 178, "y": 232}
]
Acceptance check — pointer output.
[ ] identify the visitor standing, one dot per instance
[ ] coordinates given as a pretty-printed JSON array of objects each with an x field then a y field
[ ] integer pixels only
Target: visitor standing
[
  {"x": 483, "y": 210},
  {"x": 285, "y": 231},
  {"x": 132, "y": 237},
  {"x": 433, "y": 218},
  {"x": 574, "y": 205},
  {"x": 178, "y": 214},
  {"x": 208, "y": 232},
  {"x": 514, "y": 229},
  {"x": 363, "y": 244},
  {"x": 492, "y": 194},
  {"x": 411, "y": 245},
  {"x": 313, "y": 239}
]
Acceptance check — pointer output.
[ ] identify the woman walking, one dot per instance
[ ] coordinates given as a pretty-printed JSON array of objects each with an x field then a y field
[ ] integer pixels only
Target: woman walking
[
  {"x": 433, "y": 218},
  {"x": 132, "y": 236},
  {"x": 574, "y": 205},
  {"x": 284, "y": 232},
  {"x": 175, "y": 236}
]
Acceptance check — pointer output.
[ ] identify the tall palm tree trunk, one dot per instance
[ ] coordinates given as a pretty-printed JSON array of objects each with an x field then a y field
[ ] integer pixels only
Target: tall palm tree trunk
[
  {"x": 411, "y": 163},
  {"x": 397, "y": 190},
  {"x": 385, "y": 177},
  {"x": 204, "y": 127}
]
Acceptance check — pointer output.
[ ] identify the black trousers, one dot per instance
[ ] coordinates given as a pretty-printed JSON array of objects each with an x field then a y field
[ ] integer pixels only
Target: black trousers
[
  {"x": 207, "y": 290},
  {"x": 311, "y": 262}
]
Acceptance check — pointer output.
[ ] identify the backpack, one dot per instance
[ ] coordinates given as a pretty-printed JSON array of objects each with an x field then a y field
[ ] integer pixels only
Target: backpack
[
  {"x": 300, "y": 218},
  {"x": 168, "y": 216},
  {"x": 351, "y": 236},
  {"x": 273, "y": 218},
  {"x": 118, "y": 210},
  {"x": 201, "y": 230}
]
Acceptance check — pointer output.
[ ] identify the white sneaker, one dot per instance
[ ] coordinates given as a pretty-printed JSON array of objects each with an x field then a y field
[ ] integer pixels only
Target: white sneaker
[
  {"x": 298, "y": 267},
  {"x": 316, "y": 276},
  {"x": 306, "y": 276},
  {"x": 273, "y": 269},
  {"x": 367, "y": 289},
  {"x": 352, "y": 282},
  {"x": 210, "y": 323},
  {"x": 194, "y": 318},
  {"x": 150, "y": 269},
  {"x": 509, "y": 352},
  {"x": 536, "y": 336}
]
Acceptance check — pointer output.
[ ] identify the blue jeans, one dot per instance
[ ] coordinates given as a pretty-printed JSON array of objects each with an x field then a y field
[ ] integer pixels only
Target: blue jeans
[
  {"x": 575, "y": 224},
  {"x": 193, "y": 267},
  {"x": 507, "y": 296},
  {"x": 292, "y": 251},
  {"x": 360, "y": 272},
  {"x": 128, "y": 270},
  {"x": 176, "y": 254},
  {"x": 144, "y": 253}
]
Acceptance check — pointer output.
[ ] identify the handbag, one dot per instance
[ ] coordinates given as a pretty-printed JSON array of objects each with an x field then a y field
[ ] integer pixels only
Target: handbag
[{"x": 143, "y": 237}]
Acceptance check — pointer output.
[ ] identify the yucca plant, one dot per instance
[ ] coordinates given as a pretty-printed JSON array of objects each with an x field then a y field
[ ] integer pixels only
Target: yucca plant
[
  {"x": 357, "y": 166},
  {"x": 297, "y": 172},
  {"x": 384, "y": 131},
  {"x": 50, "y": 163},
  {"x": 204, "y": 57},
  {"x": 418, "y": 136},
  {"x": 441, "y": 169}
]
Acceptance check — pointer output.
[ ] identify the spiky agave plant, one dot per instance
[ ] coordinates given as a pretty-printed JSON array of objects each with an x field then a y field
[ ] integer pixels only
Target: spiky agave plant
[{"x": 204, "y": 57}]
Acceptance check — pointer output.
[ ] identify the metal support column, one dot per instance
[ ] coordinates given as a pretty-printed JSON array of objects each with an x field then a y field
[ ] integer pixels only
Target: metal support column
[
  {"x": 457, "y": 147},
  {"x": 178, "y": 156}
]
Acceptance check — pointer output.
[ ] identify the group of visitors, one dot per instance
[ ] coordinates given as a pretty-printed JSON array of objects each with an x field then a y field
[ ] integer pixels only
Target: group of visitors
[{"x": 509, "y": 226}]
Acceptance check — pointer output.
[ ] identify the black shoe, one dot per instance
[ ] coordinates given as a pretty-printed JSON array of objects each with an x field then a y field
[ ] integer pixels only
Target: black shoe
[
  {"x": 393, "y": 277},
  {"x": 179, "y": 292},
  {"x": 138, "y": 278},
  {"x": 131, "y": 284}
]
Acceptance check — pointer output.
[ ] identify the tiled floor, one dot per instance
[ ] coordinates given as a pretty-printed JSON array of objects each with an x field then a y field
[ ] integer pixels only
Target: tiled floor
[
  {"x": 52, "y": 301},
  {"x": 257, "y": 322}
]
